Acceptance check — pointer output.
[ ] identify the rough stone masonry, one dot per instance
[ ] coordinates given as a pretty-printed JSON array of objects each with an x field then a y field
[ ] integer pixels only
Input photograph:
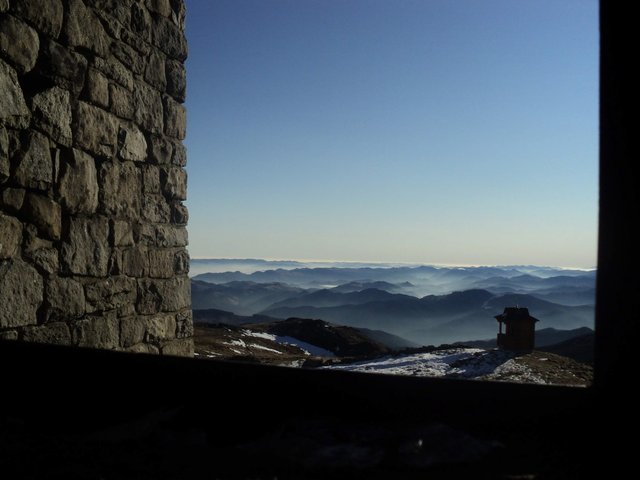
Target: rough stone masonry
[{"x": 92, "y": 179}]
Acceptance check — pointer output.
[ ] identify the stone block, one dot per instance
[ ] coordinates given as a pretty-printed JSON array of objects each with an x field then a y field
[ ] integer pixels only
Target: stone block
[
  {"x": 176, "y": 76},
  {"x": 131, "y": 143},
  {"x": 181, "y": 262},
  {"x": 110, "y": 294},
  {"x": 85, "y": 251},
  {"x": 150, "y": 179},
  {"x": 171, "y": 236},
  {"x": 159, "y": 328},
  {"x": 33, "y": 164},
  {"x": 179, "y": 213},
  {"x": 129, "y": 56},
  {"x": 10, "y": 236},
  {"x": 8, "y": 334},
  {"x": 184, "y": 324},
  {"x": 161, "y": 263},
  {"x": 132, "y": 331},
  {"x": 143, "y": 348},
  {"x": 162, "y": 7},
  {"x": 45, "y": 15},
  {"x": 115, "y": 70},
  {"x": 179, "y": 156},
  {"x": 138, "y": 43},
  {"x": 97, "y": 332},
  {"x": 175, "y": 119},
  {"x": 96, "y": 130},
  {"x": 148, "y": 108},
  {"x": 135, "y": 261},
  {"x": 96, "y": 88},
  {"x": 120, "y": 189},
  {"x": 21, "y": 290},
  {"x": 83, "y": 29},
  {"x": 78, "y": 182},
  {"x": 171, "y": 295},
  {"x": 174, "y": 182},
  {"x": 141, "y": 23},
  {"x": 64, "y": 299},
  {"x": 45, "y": 259},
  {"x": 154, "y": 72},
  {"x": 13, "y": 109},
  {"x": 64, "y": 67},
  {"x": 169, "y": 38},
  {"x": 181, "y": 347},
  {"x": 122, "y": 232},
  {"x": 4, "y": 154},
  {"x": 155, "y": 208},
  {"x": 120, "y": 101},
  {"x": 19, "y": 43},
  {"x": 44, "y": 213},
  {"x": 160, "y": 149},
  {"x": 52, "y": 114},
  {"x": 4, "y": 6},
  {"x": 12, "y": 199},
  {"x": 119, "y": 10},
  {"x": 57, "y": 333},
  {"x": 144, "y": 233}
]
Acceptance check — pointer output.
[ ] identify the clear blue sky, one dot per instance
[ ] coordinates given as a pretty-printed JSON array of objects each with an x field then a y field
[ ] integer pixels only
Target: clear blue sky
[{"x": 443, "y": 132}]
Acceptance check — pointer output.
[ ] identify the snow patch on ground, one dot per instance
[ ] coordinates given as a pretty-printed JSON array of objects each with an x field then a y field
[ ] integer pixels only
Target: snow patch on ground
[
  {"x": 451, "y": 363},
  {"x": 235, "y": 343},
  {"x": 266, "y": 349},
  {"x": 264, "y": 335},
  {"x": 307, "y": 347}
]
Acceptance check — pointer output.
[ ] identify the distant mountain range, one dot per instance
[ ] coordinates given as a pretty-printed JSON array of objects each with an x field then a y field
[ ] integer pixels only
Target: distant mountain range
[{"x": 425, "y": 305}]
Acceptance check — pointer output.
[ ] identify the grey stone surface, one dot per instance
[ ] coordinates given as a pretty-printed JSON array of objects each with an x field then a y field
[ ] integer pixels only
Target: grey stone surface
[
  {"x": 120, "y": 101},
  {"x": 135, "y": 261},
  {"x": 171, "y": 236},
  {"x": 154, "y": 72},
  {"x": 33, "y": 165},
  {"x": 19, "y": 43},
  {"x": 10, "y": 236},
  {"x": 96, "y": 88},
  {"x": 110, "y": 294},
  {"x": 45, "y": 15},
  {"x": 179, "y": 156},
  {"x": 52, "y": 114},
  {"x": 20, "y": 293},
  {"x": 148, "y": 108},
  {"x": 159, "y": 328},
  {"x": 150, "y": 179},
  {"x": 4, "y": 154},
  {"x": 4, "y": 5},
  {"x": 162, "y": 7},
  {"x": 97, "y": 332},
  {"x": 169, "y": 38},
  {"x": 163, "y": 295},
  {"x": 122, "y": 232},
  {"x": 83, "y": 29},
  {"x": 181, "y": 263},
  {"x": 155, "y": 208},
  {"x": 64, "y": 67},
  {"x": 175, "y": 119},
  {"x": 144, "y": 348},
  {"x": 160, "y": 149},
  {"x": 115, "y": 70},
  {"x": 131, "y": 143},
  {"x": 44, "y": 213},
  {"x": 132, "y": 331},
  {"x": 182, "y": 347},
  {"x": 179, "y": 213},
  {"x": 96, "y": 130},
  {"x": 9, "y": 334},
  {"x": 12, "y": 198},
  {"x": 120, "y": 189},
  {"x": 184, "y": 324},
  {"x": 45, "y": 258},
  {"x": 85, "y": 251},
  {"x": 174, "y": 182},
  {"x": 129, "y": 56},
  {"x": 141, "y": 22},
  {"x": 161, "y": 263},
  {"x": 13, "y": 108},
  {"x": 57, "y": 333},
  {"x": 78, "y": 182},
  {"x": 176, "y": 80},
  {"x": 64, "y": 299}
]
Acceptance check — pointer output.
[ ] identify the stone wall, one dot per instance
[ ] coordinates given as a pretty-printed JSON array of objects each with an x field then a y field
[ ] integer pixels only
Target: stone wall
[{"x": 92, "y": 180}]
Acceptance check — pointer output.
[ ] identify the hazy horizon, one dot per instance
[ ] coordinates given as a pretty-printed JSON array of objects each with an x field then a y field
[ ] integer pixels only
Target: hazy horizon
[{"x": 418, "y": 132}]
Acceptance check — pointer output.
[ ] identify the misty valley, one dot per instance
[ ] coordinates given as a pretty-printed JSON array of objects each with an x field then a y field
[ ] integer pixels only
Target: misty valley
[{"x": 398, "y": 319}]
